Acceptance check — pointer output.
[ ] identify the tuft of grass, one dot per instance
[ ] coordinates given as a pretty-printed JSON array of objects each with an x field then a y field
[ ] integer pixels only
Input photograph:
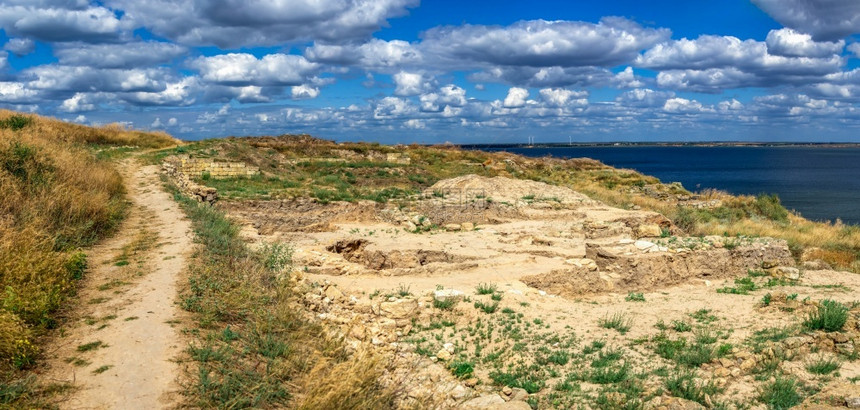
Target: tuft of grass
[
  {"x": 781, "y": 393},
  {"x": 86, "y": 347},
  {"x": 618, "y": 321},
  {"x": 487, "y": 307},
  {"x": 447, "y": 304},
  {"x": 681, "y": 326},
  {"x": 102, "y": 369},
  {"x": 462, "y": 369},
  {"x": 823, "y": 366},
  {"x": 829, "y": 317},
  {"x": 683, "y": 384},
  {"x": 635, "y": 297},
  {"x": 485, "y": 289},
  {"x": 403, "y": 290}
]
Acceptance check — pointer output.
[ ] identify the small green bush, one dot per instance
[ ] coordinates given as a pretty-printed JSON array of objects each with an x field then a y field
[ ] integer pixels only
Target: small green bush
[
  {"x": 16, "y": 122},
  {"x": 829, "y": 317}
]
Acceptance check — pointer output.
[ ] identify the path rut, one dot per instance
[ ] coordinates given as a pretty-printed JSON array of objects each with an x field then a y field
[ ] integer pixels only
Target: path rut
[{"x": 127, "y": 302}]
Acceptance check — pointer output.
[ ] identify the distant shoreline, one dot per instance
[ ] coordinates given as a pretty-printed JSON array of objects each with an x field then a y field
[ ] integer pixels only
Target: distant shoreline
[{"x": 666, "y": 144}]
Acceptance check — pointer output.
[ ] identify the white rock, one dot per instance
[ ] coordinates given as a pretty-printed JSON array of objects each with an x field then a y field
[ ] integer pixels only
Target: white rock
[
  {"x": 448, "y": 294},
  {"x": 643, "y": 245}
]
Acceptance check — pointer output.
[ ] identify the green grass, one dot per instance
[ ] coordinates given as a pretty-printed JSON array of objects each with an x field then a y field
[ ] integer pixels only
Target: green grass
[
  {"x": 782, "y": 393},
  {"x": 447, "y": 304},
  {"x": 91, "y": 346},
  {"x": 681, "y": 326},
  {"x": 485, "y": 289},
  {"x": 684, "y": 352},
  {"x": 683, "y": 384},
  {"x": 487, "y": 307},
  {"x": 618, "y": 321},
  {"x": 102, "y": 369},
  {"x": 16, "y": 122},
  {"x": 635, "y": 297},
  {"x": 462, "y": 369},
  {"x": 822, "y": 366},
  {"x": 829, "y": 317}
]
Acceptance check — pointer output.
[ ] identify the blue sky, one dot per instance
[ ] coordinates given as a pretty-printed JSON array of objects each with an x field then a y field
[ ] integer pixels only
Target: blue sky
[{"x": 403, "y": 71}]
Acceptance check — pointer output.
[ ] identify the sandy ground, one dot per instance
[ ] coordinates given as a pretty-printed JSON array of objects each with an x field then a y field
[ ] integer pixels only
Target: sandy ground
[
  {"x": 368, "y": 256},
  {"x": 129, "y": 308}
]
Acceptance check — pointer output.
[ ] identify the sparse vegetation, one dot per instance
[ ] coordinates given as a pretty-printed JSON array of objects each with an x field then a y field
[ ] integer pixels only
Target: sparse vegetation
[
  {"x": 635, "y": 297},
  {"x": 233, "y": 286}
]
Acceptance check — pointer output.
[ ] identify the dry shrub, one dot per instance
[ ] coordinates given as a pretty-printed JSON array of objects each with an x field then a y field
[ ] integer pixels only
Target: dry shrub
[{"x": 350, "y": 384}]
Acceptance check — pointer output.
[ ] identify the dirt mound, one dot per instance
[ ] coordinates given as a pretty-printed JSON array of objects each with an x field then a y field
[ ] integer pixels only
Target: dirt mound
[{"x": 501, "y": 189}]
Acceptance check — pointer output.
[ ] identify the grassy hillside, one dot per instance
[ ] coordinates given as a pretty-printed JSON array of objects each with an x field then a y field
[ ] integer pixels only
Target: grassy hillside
[
  {"x": 58, "y": 196},
  {"x": 295, "y": 166}
]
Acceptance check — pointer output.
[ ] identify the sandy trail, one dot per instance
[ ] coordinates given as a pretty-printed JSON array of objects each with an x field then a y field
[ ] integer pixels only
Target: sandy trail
[{"x": 127, "y": 302}]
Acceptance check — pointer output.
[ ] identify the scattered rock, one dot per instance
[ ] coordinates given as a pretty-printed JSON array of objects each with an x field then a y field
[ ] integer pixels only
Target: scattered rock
[
  {"x": 483, "y": 402},
  {"x": 644, "y": 245},
  {"x": 443, "y": 355},
  {"x": 519, "y": 394},
  {"x": 467, "y": 226},
  {"x": 452, "y": 227},
  {"x": 648, "y": 231},
  {"x": 748, "y": 364},
  {"x": 448, "y": 294},
  {"x": 398, "y": 309}
]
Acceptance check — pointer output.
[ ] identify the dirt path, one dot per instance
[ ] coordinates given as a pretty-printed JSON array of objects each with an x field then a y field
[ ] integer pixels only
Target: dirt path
[{"x": 118, "y": 348}]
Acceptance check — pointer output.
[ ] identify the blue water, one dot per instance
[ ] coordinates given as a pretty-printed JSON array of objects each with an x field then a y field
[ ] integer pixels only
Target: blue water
[{"x": 822, "y": 183}]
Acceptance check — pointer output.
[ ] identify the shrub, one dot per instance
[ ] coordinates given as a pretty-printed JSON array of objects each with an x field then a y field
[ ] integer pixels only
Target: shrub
[
  {"x": 15, "y": 122},
  {"x": 462, "y": 369},
  {"x": 829, "y": 317},
  {"x": 770, "y": 207}
]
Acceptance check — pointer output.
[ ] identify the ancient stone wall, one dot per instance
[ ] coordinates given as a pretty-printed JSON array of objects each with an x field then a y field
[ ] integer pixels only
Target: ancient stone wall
[
  {"x": 201, "y": 193},
  {"x": 198, "y": 167}
]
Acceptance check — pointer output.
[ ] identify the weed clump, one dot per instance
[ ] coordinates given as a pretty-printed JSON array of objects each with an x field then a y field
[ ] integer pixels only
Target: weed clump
[
  {"x": 618, "y": 321},
  {"x": 781, "y": 393},
  {"x": 829, "y": 317}
]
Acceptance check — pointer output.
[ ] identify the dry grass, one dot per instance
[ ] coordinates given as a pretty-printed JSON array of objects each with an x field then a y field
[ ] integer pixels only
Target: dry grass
[
  {"x": 111, "y": 134},
  {"x": 56, "y": 197}
]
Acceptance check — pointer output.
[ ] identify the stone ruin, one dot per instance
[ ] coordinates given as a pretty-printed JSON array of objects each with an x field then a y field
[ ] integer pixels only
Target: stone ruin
[
  {"x": 199, "y": 167},
  {"x": 200, "y": 193}
]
